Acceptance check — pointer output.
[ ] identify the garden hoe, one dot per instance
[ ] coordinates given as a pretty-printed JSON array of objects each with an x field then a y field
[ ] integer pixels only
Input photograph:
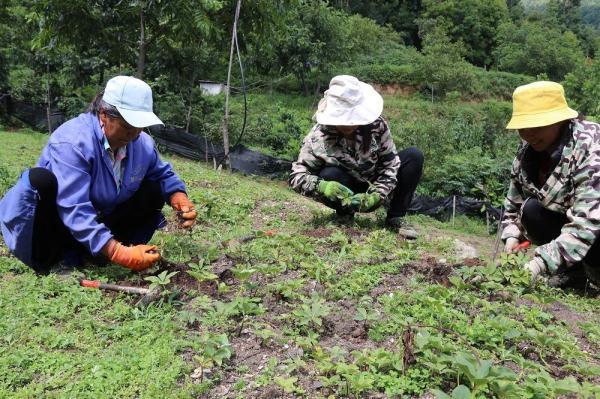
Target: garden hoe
[{"x": 147, "y": 294}]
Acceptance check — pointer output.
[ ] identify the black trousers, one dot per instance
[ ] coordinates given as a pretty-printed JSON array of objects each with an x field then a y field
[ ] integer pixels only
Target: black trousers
[
  {"x": 131, "y": 222},
  {"x": 543, "y": 226},
  {"x": 409, "y": 175}
]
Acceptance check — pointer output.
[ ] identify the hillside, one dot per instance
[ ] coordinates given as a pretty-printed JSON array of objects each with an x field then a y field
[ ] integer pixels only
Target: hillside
[{"x": 273, "y": 299}]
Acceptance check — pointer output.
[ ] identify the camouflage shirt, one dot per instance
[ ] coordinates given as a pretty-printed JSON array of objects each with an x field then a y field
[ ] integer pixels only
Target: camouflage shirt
[
  {"x": 572, "y": 188},
  {"x": 376, "y": 163}
]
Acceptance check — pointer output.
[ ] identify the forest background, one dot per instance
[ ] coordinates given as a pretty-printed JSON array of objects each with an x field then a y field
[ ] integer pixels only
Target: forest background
[{"x": 447, "y": 69}]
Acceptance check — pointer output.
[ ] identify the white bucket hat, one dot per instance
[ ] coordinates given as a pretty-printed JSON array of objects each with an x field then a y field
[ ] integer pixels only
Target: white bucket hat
[
  {"x": 133, "y": 98},
  {"x": 349, "y": 102}
]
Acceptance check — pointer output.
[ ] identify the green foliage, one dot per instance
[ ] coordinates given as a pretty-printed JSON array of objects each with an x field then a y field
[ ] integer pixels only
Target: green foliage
[
  {"x": 471, "y": 22},
  {"x": 537, "y": 47},
  {"x": 582, "y": 87},
  {"x": 216, "y": 349},
  {"x": 25, "y": 84},
  {"x": 161, "y": 281},
  {"x": 311, "y": 312},
  {"x": 471, "y": 174}
]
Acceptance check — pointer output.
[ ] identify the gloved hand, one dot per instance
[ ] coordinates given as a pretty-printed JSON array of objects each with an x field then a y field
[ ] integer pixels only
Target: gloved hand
[
  {"x": 185, "y": 209},
  {"x": 536, "y": 266},
  {"x": 510, "y": 245},
  {"x": 137, "y": 258},
  {"x": 365, "y": 202},
  {"x": 334, "y": 191}
]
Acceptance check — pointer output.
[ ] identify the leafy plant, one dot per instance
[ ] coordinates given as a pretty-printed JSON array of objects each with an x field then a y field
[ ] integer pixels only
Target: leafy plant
[
  {"x": 160, "y": 281},
  {"x": 311, "y": 312},
  {"x": 215, "y": 349}
]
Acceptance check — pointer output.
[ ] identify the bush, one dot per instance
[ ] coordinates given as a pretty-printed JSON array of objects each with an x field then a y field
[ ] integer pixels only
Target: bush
[
  {"x": 470, "y": 173},
  {"x": 26, "y": 85}
]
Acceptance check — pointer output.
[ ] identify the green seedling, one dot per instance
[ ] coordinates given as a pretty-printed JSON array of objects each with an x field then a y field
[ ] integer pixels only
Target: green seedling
[
  {"x": 311, "y": 312},
  {"x": 200, "y": 272},
  {"x": 161, "y": 281},
  {"x": 289, "y": 384},
  {"x": 215, "y": 349}
]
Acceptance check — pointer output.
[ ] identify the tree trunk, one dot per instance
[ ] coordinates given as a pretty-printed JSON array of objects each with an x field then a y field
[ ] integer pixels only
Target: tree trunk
[
  {"x": 48, "y": 99},
  {"x": 226, "y": 117},
  {"x": 141, "y": 62},
  {"x": 190, "y": 103},
  {"x": 304, "y": 86}
]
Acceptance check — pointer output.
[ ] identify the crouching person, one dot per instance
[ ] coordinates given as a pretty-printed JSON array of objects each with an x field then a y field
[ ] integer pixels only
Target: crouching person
[
  {"x": 554, "y": 195},
  {"x": 98, "y": 188},
  {"x": 349, "y": 162}
]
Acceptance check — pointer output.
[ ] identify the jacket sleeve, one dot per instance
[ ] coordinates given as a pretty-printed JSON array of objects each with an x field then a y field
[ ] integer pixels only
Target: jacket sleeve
[
  {"x": 72, "y": 171},
  {"x": 511, "y": 225},
  {"x": 388, "y": 164},
  {"x": 580, "y": 233},
  {"x": 163, "y": 173},
  {"x": 303, "y": 178}
]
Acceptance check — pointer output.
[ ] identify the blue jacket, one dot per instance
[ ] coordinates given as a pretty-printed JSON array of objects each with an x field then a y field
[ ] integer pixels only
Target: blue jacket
[{"x": 86, "y": 185}]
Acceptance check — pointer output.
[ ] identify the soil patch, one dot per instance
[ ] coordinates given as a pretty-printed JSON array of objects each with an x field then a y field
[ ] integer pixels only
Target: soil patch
[
  {"x": 321, "y": 232},
  {"x": 431, "y": 269}
]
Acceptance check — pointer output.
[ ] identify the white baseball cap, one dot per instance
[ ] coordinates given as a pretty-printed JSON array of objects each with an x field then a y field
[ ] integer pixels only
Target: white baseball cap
[
  {"x": 349, "y": 102},
  {"x": 133, "y": 98}
]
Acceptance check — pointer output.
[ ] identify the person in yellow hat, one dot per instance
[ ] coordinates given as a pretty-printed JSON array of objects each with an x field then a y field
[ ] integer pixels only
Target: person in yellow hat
[{"x": 554, "y": 194}]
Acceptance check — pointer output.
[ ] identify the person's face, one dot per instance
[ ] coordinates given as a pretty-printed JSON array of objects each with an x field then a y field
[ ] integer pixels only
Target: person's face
[
  {"x": 346, "y": 130},
  {"x": 118, "y": 132},
  {"x": 541, "y": 138}
]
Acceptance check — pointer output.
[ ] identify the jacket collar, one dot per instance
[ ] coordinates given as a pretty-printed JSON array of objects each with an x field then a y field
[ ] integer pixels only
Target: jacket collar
[{"x": 531, "y": 158}]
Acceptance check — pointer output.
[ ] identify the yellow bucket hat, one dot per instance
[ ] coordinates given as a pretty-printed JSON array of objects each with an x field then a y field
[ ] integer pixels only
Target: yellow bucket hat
[{"x": 539, "y": 104}]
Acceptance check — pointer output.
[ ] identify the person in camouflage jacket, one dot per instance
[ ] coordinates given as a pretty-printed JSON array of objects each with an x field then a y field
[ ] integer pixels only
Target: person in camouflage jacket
[
  {"x": 554, "y": 193},
  {"x": 349, "y": 162}
]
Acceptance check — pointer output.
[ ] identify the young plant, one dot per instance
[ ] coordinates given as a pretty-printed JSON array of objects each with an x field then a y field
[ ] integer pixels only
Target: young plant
[
  {"x": 311, "y": 312},
  {"x": 200, "y": 271},
  {"x": 161, "y": 281},
  {"x": 215, "y": 349}
]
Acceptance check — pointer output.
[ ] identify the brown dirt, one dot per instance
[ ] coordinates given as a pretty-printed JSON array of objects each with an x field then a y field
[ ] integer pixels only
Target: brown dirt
[
  {"x": 321, "y": 232},
  {"x": 395, "y": 89}
]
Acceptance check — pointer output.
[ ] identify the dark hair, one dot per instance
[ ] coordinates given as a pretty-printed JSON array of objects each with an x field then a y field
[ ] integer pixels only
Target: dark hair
[
  {"x": 98, "y": 105},
  {"x": 367, "y": 135}
]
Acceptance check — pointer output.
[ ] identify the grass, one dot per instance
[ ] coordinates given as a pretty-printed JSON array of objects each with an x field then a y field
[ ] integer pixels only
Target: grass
[{"x": 286, "y": 303}]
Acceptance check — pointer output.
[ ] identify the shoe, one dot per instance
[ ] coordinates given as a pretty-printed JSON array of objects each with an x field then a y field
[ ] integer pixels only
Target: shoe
[
  {"x": 592, "y": 273},
  {"x": 61, "y": 269},
  {"x": 571, "y": 277},
  {"x": 344, "y": 218},
  {"x": 401, "y": 227},
  {"x": 71, "y": 260}
]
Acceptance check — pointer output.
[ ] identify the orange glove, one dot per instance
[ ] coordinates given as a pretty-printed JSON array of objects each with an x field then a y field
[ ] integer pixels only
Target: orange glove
[
  {"x": 185, "y": 209},
  {"x": 137, "y": 258}
]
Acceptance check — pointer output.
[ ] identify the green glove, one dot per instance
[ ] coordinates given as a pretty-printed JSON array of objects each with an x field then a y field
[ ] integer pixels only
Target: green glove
[
  {"x": 365, "y": 202},
  {"x": 333, "y": 190}
]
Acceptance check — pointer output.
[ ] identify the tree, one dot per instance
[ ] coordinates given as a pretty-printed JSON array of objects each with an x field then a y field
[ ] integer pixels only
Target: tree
[
  {"x": 443, "y": 67},
  {"x": 582, "y": 87},
  {"x": 535, "y": 48},
  {"x": 401, "y": 15},
  {"x": 311, "y": 42},
  {"x": 473, "y": 22}
]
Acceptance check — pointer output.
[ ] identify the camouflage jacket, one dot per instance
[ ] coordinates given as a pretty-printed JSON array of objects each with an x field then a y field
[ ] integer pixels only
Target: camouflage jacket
[
  {"x": 572, "y": 188},
  {"x": 378, "y": 163}
]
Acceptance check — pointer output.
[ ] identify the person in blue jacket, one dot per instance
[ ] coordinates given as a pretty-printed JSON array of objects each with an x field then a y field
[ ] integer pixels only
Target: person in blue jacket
[{"x": 98, "y": 188}]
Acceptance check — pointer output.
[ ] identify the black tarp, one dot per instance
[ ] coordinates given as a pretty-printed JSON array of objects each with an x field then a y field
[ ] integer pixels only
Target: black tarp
[
  {"x": 442, "y": 208},
  {"x": 31, "y": 114},
  {"x": 195, "y": 147}
]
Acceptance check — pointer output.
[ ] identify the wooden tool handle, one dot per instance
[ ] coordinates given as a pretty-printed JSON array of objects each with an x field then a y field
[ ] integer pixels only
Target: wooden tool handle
[{"x": 114, "y": 287}]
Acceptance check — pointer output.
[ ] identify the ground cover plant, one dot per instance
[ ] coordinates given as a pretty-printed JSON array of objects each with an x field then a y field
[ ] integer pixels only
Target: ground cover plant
[{"x": 267, "y": 297}]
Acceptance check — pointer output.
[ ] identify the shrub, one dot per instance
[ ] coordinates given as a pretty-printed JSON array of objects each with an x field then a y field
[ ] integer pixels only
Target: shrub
[
  {"x": 26, "y": 84},
  {"x": 470, "y": 173}
]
